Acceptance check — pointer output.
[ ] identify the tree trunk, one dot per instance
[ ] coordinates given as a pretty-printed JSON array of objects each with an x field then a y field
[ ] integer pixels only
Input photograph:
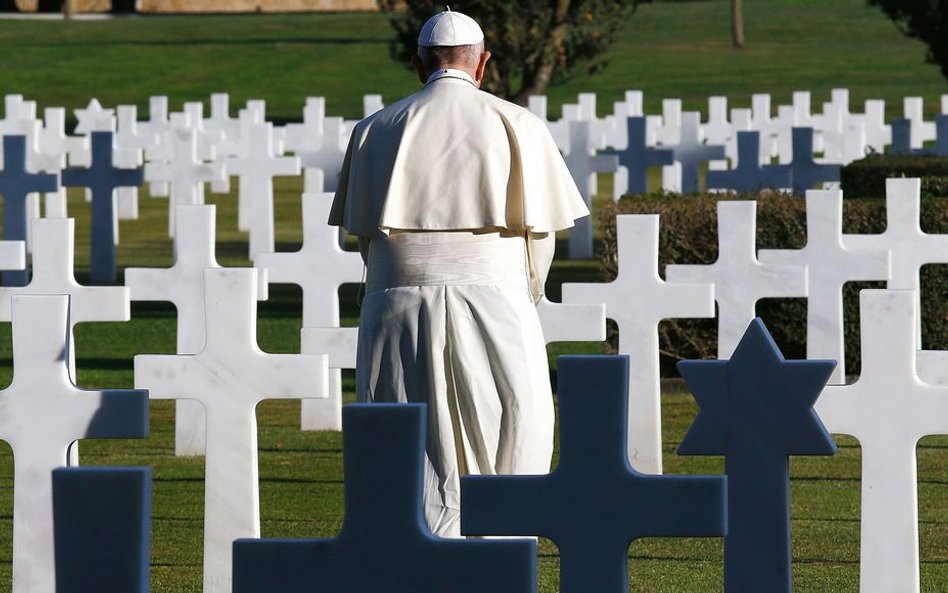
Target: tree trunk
[
  {"x": 737, "y": 24},
  {"x": 67, "y": 9},
  {"x": 538, "y": 82}
]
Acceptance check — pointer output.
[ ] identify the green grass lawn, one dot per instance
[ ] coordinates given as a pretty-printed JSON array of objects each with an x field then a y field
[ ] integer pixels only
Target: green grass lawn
[{"x": 667, "y": 49}]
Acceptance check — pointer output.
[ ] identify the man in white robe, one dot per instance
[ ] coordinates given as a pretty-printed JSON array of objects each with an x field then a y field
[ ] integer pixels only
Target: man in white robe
[{"x": 455, "y": 197}]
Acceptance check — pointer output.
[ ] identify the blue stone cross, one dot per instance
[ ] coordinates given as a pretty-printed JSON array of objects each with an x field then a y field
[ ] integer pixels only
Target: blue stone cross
[
  {"x": 756, "y": 409},
  {"x": 805, "y": 171},
  {"x": 102, "y": 177},
  {"x": 384, "y": 544},
  {"x": 16, "y": 183},
  {"x": 638, "y": 156},
  {"x": 749, "y": 176},
  {"x": 594, "y": 504}
]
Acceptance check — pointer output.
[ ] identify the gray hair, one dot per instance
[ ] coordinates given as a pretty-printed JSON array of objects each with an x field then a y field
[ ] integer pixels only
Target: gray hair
[{"x": 440, "y": 56}]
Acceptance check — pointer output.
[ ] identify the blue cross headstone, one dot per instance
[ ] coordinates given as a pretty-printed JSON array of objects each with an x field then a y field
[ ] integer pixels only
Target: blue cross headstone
[
  {"x": 384, "y": 544},
  {"x": 756, "y": 409},
  {"x": 691, "y": 151},
  {"x": 102, "y": 528},
  {"x": 804, "y": 170},
  {"x": 15, "y": 185},
  {"x": 637, "y": 157},
  {"x": 102, "y": 177},
  {"x": 594, "y": 504},
  {"x": 941, "y": 135},
  {"x": 749, "y": 176}
]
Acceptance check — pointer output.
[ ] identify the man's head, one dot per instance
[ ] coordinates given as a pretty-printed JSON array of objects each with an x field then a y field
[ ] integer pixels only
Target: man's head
[{"x": 451, "y": 40}]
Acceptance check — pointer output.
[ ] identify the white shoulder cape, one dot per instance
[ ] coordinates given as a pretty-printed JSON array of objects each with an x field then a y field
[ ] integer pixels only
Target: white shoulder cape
[{"x": 452, "y": 157}]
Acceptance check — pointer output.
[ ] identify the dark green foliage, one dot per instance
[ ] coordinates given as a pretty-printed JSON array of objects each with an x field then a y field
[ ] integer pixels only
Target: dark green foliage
[
  {"x": 533, "y": 43},
  {"x": 926, "y": 20},
  {"x": 866, "y": 177},
  {"x": 688, "y": 235}
]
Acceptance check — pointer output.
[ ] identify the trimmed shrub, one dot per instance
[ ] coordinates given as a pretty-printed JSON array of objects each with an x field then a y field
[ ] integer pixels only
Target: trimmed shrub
[
  {"x": 866, "y": 177},
  {"x": 688, "y": 235}
]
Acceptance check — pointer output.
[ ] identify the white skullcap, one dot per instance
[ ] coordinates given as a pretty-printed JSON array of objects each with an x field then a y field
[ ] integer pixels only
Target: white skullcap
[{"x": 449, "y": 29}]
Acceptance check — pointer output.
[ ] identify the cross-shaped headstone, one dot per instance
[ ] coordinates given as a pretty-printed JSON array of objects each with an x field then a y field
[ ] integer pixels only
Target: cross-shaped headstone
[
  {"x": 42, "y": 413},
  {"x": 19, "y": 119},
  {"x": 102, "y": 177},
  {"x": 157, "y": 126},
  {"x": 257, "y": 165},
  {"x": 593, "y": 505},
  {"x": 830, "y": 265},
  {"x": 941, "y": 142},
  {"x": 130, "y": 146},
  {"x": 102, "y": 529},
  {"x": 638, "y": 156},
  {"x": 749, "y": 175},
  {"x": 230, "y": 376},
  {"x": 878, "y": 133},
  {"x": 183, "y": 285},
  {"x": 568, "y": 322},
  {"x": 888, "y": 409},
  {"x": 384, "y": 544},
  {"x": 340, "y": 345},
  {"x": 717, "y": 130},
  {"x": 638, "y": 300},
  {"x": 371, "y": 104},
  {"x": 324, "y": 164},
  {"x": 51, "y": 149},
  {"x": 584, "y": 164},
  {"x": 763, "y": 122},
  {"x": 909, "y": 247},
  {"x": 756, "y": 410},
  {"x": 922, "y": 131},
  {"x": 246, "y": 118},
  {"x": 16, "y": 183},
  {"x": 739, "y": 279},
  {"x": 691, "y": 152},
  {"x": 669, "y": 134},
  {"x": 804, "y": 170},
  {"x": 319, "y": 267}
]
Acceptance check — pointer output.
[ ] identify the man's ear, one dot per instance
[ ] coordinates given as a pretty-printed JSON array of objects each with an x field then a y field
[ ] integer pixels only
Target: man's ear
[
  {"x": 481, "y": 65},
  {"x": 420, "y": 69}
]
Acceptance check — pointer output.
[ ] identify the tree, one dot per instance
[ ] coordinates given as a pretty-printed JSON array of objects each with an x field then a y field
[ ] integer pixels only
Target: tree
[
  {"x": 926, "y": 20},
  {"x": 737, "y": 24},
  {"x": 534, "y": 43}
]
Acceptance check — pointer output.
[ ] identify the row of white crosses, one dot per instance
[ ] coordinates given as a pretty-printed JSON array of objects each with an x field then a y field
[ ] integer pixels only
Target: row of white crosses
[{"x": 896, "y": 401}]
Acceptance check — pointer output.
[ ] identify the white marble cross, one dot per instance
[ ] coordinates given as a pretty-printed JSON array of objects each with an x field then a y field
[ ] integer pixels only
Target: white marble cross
[
  {"x": 569, "y": 322},
  {"x": 878, "y": 133},
  {"x": 256, "y": 166},
  {"x": 372, "y": 104},
  {"x": 638, "y": 300},
  {"x": 691, "y": 152},
  {"x": 584, "y": 164},
  {"x": 669, "y": 133},
  {"x": 319, "y": 267},
  {"x": 739, "y": 279},
  {"x": 131, "y": 143},
  {"x": 922, "y": 131},
  {"x": 183, "y": 285},
  {"x": 185, "y": 174},
  {"x": 50, "y": 151},
  {"x": 324, "y": 164},
  {"x": 340, "y": 345},
  {"x": 42, "y": 413},
  {"x": 888, "y": 409},
  {"x": 718, "y": 129},
  {"x": 830, "y": 265},
  {"x": 230, "y": 376},
  {"x": 909, "y": 247}
]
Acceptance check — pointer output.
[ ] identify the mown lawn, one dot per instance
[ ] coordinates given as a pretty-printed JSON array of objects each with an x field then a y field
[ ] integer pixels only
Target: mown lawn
[{"x": 667, "y": 49}]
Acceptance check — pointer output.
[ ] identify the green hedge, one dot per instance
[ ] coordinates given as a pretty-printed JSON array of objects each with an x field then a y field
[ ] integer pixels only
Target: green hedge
[
  {"x": 688, "y": 235},
  {"x": 866, "y": 177}
]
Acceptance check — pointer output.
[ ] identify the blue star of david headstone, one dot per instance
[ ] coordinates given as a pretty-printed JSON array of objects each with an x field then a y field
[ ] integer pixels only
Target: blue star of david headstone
[
  {"x": 594, "y": 504},
  {"x": 749, "y": 176},
  {"x": 102, "y": 526},
  {"x": 756, "y": 409},
  {"x": 102, "y": 177},
  {"x": 15, "y": 184},
  {"x": 804, "y": 170},
  {"x": 384, "y": 544},
  {"x": 638, "y": 156}
]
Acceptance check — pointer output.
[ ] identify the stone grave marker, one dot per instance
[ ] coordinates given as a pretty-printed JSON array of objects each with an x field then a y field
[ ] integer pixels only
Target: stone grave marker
[
  {"x": 93, "y": 118},
  {"x": 230, "y": 376},
  {"x": 888, "y": 409},
  {"x": 718, "y": 129},
  {"x": 638, "y": 300},
  {"x": 257, "y": 165},
  {"x": 102, "y": 529},
  {"x": 909, "y": 247},
  {"x": 42, "y": 413},
  {"x": 325, "y": 163},
  {"x": 763, "y": 122},
  {"x": 371, "y": 104},
  {"x": 691, "y": 152},
  {"x": 637, "y": 157},
  {"x": 593, "y": 505},
  {"x": 669, "y": 134},
  {"x": 157, "y": 126},
  {"x": 739, "y": 279},
  {"x": 183, "y": 285},
  {"x": 878, "y": 133},
  {"x": 131, "y": 143},
  {"x": 51, "y": 150},
  {"x": 902, "y": 138},
  {"x": 922, "y": 131},
  {"x": 830, "y": 265},
  {"x": 340, "y": 345},
  {"x": 16, "y": 183},
  {"x": 570, "y": 322},
  {"x": 319, "y": 267},
  {"x": 384, "y": 544},
  {"x": 749, "y": 175},
  {"x": 756, "y": 410},
  {"x": 807, "y": 172},
  {"x": 102, "y": 178},
  {"x": 584, "y": 164}
]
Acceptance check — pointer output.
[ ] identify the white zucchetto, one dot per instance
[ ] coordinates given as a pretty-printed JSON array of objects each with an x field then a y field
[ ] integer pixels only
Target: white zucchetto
[{"x": 449, "y": 29}]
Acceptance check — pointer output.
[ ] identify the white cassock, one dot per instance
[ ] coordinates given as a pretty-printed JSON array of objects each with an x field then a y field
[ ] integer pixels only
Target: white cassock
[{"x": 456, "y": 196}]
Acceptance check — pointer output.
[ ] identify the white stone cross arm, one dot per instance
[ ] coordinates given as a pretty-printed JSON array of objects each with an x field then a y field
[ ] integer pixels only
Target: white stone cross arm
[
  {"x": 571, "y": 322},
  {"x": 340, "y": 345}
]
